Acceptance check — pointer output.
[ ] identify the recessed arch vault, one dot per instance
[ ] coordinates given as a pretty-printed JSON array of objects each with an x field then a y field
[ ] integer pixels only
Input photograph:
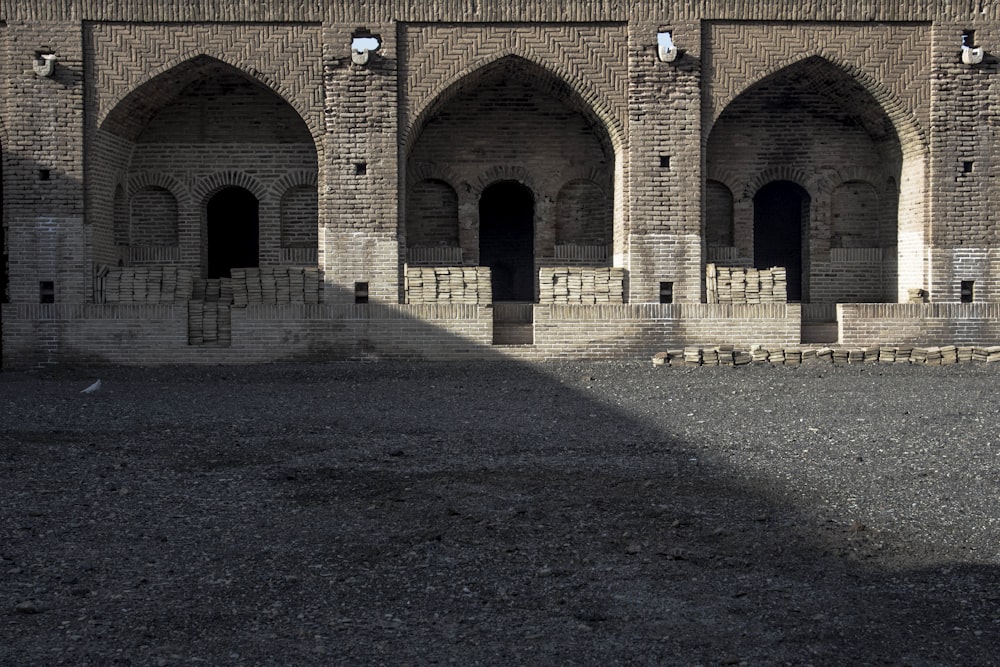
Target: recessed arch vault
[
  {"x": 194, "y": 127},
  {"x": 515, "y": 120},
  {"x": 127, "y": 114},
  {"x": 816, "y": 122}
]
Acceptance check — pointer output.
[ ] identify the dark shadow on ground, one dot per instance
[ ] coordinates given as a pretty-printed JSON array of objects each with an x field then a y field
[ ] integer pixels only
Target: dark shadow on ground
[{"x": 500, "y": 513}]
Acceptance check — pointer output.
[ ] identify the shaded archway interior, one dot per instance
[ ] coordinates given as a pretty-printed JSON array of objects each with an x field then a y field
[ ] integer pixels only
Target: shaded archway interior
[
  {"x": 202, "y": 126},
  {"x": 811, "y": 120},
  {"x": 512, "y": 120},
  {"x": 506, "y": 240}
]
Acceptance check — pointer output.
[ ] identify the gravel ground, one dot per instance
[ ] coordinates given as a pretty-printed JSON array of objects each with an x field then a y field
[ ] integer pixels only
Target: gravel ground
[{"x": 501, "y": 514}]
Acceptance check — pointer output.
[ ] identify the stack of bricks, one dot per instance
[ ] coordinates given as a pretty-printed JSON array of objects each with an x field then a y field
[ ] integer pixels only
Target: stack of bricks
[
  {"x": 585, "y": 285},
  {"x": 209, "y": 312},
  {"x": 209, "y": 323},
  {"x": 729, "y": 285},
  {"x": 443, "y": 284},
  {"x": 152, "y": 284},
  {"x": 277, "y": 284}
]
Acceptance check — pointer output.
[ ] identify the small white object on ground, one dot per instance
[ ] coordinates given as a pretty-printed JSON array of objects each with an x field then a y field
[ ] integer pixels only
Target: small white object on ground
[{"x": 92, "y": 388}]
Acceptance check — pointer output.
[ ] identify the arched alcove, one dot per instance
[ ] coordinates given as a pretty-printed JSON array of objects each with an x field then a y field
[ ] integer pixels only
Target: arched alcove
[
  {"x": 718, "y": 215},
  {"x": 120, "y": 209},
  {"x": 804, "y": 123},
  {"x": 202, "y": 118},
  {"x": 299, "y": 217},
  {"x": 153, "y": 218},
  {"x": 584, "y": 214},
  {"x": 432, "y": 215},
  {"x": 514, "y": 112}
]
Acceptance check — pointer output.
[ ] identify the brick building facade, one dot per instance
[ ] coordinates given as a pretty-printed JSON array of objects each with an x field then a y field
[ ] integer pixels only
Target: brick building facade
[{"x": 229, "y": 181}]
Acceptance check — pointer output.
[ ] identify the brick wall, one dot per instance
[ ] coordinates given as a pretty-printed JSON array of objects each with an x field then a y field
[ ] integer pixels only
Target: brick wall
[
  {"x": 964, "y": 194},
  {"x": 644, "y": 166},
  {"x": 639, "y": 330},
  {"x": 919, "y": 324},
  {"x": 39, "y": 335}
]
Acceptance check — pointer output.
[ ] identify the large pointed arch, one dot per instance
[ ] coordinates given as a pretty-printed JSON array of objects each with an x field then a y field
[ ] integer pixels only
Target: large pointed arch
[
  {"x": 204, "y": 123},
  {"x": 127, "y": 114},
  {"x": 911, "y": 134},
  {"x": 508, "y": 112},
  {"x": 571, "y": 90},
  {"x": 864, "y": 128}
]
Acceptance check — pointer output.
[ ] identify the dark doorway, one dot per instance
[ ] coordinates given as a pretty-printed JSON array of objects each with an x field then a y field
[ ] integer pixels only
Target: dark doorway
[
  {"x": 779, "y": 210},
  {"x": 507, "y": 240},
  {"x": 232, "y": 232}
]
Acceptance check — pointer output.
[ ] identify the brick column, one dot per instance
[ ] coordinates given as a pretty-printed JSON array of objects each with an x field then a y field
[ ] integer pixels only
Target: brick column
[
  {"x": 665, "y": 163},
  {"x": 359, "y": 191}
]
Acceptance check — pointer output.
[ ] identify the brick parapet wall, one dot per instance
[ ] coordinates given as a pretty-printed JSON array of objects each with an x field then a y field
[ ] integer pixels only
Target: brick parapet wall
[
  {"x": 630, "y": 330},
  {"x": 919, "y": 324},
  {"x": 497, "y": 10},
  {"x": 42, "y": 334}
]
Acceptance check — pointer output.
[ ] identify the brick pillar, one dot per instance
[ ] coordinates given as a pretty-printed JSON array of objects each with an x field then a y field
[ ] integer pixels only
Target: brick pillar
[
  {"x": 963, "y": 236},
  {"x": 359, "y": 191},
  {"x": 664, "y": 164},
  {"x": 43, "y": 164}
]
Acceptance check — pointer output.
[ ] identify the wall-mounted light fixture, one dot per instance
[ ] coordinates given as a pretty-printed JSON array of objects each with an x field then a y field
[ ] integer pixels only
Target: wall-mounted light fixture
[
  {"x": 971, "y": 54},
  {"x": 44, "y": 62},
  {"x": 362, "y": 45},
  {"x": 666, "y": 50}
]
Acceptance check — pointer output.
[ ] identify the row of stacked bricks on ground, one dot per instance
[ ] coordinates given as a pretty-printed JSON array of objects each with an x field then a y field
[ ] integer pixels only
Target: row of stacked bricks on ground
[
  {"x": 726, "y": 355},
  {"x": 727, "y": 284},
  {"x": 586, "y": 285},
  {"x": 450, "y": 284}
]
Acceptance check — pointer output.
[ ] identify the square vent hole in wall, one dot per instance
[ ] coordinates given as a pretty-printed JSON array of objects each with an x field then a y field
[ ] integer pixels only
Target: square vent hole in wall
[
  {"x": 666, "y": 292},
  {"x": 47, "y": 291},
  {"x": 967, "y": 291},
  {"x": 360, "y": 292}
]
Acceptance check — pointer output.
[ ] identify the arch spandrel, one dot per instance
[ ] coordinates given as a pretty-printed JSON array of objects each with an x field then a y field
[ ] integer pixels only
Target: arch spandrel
[
  {"x": 122, "y": 58},
  {"x": 890, "y": 60},
  {"x": 590, "y": 62}
]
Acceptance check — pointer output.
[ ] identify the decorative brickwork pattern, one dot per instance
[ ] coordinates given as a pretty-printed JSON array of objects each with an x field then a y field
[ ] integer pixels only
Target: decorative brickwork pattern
[
  {"x": 122, "y": 57},
  {"x": 889, "y": 59},
  {"x": 591, "y": 59}
]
